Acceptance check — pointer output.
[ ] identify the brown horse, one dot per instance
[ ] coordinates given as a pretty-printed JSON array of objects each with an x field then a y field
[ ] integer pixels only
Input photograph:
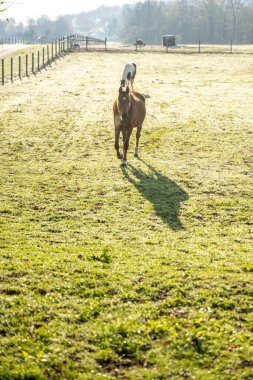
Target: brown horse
[{"x": 129, "y": 112}]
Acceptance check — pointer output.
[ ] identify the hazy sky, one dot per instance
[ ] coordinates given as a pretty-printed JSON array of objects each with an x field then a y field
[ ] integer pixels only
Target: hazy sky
[{"x": 21, "y": 10}]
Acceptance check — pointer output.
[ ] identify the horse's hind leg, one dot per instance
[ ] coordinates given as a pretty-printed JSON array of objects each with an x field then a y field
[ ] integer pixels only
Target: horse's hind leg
[
  {"x": 132, "y": 83},
  {"x": 138, "y": 134}
]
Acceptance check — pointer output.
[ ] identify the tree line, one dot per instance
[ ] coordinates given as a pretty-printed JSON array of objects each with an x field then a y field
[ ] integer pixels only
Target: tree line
[{"x": 211, "y": 21}]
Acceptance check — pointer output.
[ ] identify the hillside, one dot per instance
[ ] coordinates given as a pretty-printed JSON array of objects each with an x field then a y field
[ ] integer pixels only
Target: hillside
[{"x": 100, "y": 23}]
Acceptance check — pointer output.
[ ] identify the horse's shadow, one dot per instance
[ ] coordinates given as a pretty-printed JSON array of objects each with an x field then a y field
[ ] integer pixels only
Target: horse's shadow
[{"x": 164, "y": 194}]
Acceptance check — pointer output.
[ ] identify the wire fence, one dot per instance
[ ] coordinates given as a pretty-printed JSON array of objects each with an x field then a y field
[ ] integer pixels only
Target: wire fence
[
  {"x": 197, "y": 48},
  {"x": 6, "y": 40},
  {"x": 26, "y": 62}
]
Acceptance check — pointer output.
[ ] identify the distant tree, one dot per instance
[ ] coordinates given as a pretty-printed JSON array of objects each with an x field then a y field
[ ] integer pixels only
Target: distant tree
[
  {"x": 143, "y": 20},
  {"x": 112, "y": 27},
  {"x": 235, "y": 8},
  {"x": 62, "y": 26}
]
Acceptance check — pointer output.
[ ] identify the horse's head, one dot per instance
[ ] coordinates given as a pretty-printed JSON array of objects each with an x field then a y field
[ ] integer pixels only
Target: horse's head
[{"x": 124, "y": 103}]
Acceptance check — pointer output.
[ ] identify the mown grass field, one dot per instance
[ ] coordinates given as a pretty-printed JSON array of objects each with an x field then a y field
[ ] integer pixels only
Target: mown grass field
[{"x": 136, "y": 273}]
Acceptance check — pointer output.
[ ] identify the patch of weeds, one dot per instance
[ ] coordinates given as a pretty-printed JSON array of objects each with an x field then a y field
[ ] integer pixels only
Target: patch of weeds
[
  {"x": 198, "y": 345},
  {"x": 175, "y": 303},
  {"x": 43, "y": 334},
  {"x": 224, "y": 304},
  {"x": 123, "y": 343},
  {"x": 90, "y": 311},
  {"x": 153, "y": 139},
  {"x": 11, "y": 291},
  {"x": 158, "y": 328},
  {"x": 24, "y": 374},
  {"x": 104, "y": 257},
  {"x": 248, "y": 268},
  {"x": 164, "y": 106}
]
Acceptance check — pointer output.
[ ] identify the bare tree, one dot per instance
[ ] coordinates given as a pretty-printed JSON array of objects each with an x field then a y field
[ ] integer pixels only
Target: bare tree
[
  {"x": 4, "y": 6},
  {"x": 235, "y": 7}
]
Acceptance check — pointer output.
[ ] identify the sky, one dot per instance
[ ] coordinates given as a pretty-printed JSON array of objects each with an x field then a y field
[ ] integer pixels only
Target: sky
[{"x": 21, "y": 10}]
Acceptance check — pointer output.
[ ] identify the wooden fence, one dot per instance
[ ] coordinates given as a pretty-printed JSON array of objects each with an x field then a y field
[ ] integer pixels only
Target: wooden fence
[{"x": 23, "y": 65}]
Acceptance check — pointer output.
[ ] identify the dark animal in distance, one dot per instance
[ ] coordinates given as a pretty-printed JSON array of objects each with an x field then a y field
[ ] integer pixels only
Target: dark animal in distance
[
  {"x": 140, "y": 42},
  {"x": 129, "y": 111}
]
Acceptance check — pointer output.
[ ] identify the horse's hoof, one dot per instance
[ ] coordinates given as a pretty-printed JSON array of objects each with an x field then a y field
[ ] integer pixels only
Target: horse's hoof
[
  {"x": 136, "y": 155},
  {"x": 120, "y": 156},
  {"x": 123, "y": 163}
]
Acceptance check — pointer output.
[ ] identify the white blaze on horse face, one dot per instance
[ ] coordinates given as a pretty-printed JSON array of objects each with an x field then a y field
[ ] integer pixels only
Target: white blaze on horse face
[{"x": 123, "y": 105}]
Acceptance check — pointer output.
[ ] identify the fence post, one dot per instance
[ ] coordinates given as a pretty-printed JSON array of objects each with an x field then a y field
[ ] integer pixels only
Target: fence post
[
  {"x": 11, "y": 69},
  {"x": 52, "y": 50},
  {"x": 33, "y": 63},
  {"x": 26, "y": 65},
  {"x": 2, "y": 71},
  {"x": 19, "y": 67},
  {"x": 199, "y": 46},
  {"x": 38, "y": 60},
  {"x": 47, "y": 53},
  {"x": 43, "y": 57}
]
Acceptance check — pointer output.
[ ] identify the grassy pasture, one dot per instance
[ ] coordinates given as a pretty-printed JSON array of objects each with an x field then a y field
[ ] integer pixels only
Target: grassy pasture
[{"x": 136, "y": 273}]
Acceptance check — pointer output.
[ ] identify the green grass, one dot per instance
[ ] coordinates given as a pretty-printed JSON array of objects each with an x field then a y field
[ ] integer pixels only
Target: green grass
[{"x": 143, "y": 272}]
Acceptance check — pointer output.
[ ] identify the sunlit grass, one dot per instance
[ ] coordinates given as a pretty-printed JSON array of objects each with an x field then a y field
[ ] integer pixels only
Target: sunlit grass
[{"x": 136, "y": 273}]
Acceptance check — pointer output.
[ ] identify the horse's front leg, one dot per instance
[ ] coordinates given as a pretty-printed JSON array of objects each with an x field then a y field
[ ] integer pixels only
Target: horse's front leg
[
  {"x": 116, "y": 145},
  {"x": 138, "y": 134},
  {"x": 126, "y": 137}
]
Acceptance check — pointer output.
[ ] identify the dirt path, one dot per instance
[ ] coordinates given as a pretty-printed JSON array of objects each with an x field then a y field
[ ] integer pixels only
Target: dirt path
[{"x": 6, "y": 50}]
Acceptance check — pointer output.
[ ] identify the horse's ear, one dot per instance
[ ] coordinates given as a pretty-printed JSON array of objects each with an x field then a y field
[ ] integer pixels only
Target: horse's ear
[
  {"x": 127, "y": 90},
  {"x": 120, "y": 90}
]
